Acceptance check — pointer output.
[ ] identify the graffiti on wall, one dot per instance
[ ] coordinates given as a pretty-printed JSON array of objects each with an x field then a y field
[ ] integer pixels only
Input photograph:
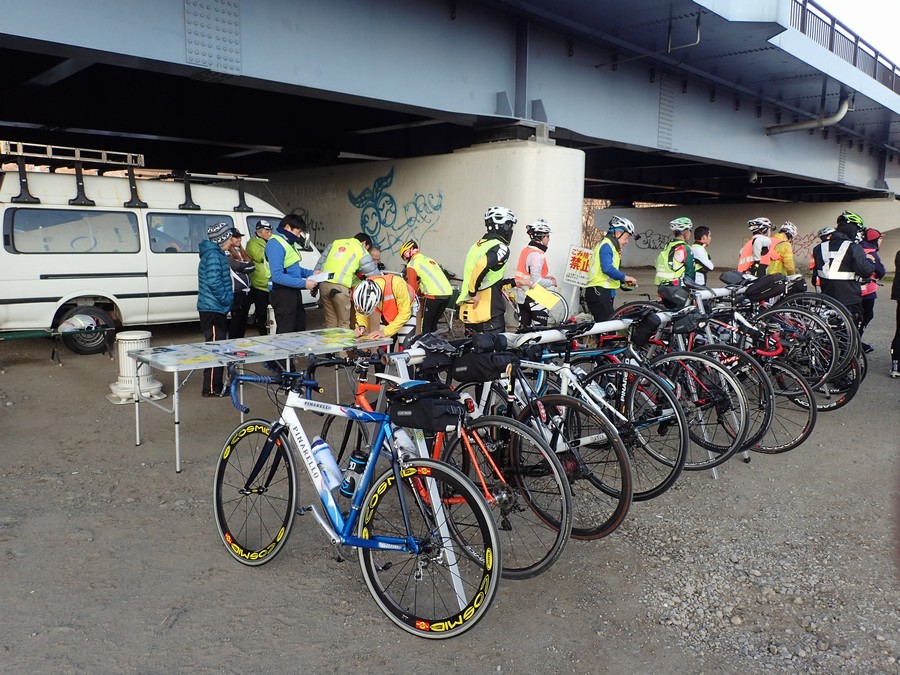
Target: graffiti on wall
[
  {"x": 381, "y": 219},
  {"x": 316, "y": 228},
  {"x": 653, "y": 241}
]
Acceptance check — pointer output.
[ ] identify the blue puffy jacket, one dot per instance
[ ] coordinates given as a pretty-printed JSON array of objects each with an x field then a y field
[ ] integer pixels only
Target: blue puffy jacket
[{"x": 214, "y": 289}]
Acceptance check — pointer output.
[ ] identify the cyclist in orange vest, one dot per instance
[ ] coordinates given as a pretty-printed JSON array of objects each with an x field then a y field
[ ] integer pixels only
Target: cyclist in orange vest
[
  {"x": 755, "y": 253},
  {"x": 392, "y": 298},
  {"x": 531, "y": 271}
]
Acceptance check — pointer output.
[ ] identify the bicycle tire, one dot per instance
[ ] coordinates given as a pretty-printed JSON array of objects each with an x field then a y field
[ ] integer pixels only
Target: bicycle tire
[
  {"x": 650, "y": 422},
  {"x": 795, "y": 410},
  {"x": 254, "y": 521},
  {"x": 839, "y": 390},
  {"x": 756, "y": 385},
  {"x": 837, "y": 316},
  {"x": 810, "y": 344},
  {"x": 528, "y": 491},
  {"x": 593, "y": 456},
  {"x": 713, "y": 402},
  {"x": 438, "y": 592}
]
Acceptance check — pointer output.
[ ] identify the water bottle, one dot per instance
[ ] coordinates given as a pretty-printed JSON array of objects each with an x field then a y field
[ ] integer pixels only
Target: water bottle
[
  {"x": 357, "y": 464},
  {"x": 327, "y": 464}
]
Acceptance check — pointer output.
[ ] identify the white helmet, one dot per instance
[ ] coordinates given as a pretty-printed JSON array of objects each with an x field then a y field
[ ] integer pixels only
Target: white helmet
[
  {"x": 620, "y": 223},
  {"x": 367, "y": 296},
  {"x": 537, "y": 229},
  {"x": 760, "y": 225},
  {"x": 681, "y": 225},
  {"x": 789, "y": 229},
  {"x": 499, "y": 221}
]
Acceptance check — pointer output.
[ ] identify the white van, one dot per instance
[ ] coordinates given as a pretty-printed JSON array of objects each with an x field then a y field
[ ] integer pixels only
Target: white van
[{"x": 121, "y": 250}]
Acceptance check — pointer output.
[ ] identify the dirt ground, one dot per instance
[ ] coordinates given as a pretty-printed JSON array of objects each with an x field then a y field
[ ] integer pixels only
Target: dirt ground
[{"x": 112, "y": 562}]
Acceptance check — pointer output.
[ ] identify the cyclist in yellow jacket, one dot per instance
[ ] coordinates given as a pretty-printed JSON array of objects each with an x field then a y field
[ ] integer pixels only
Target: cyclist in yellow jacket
[
  {"x": 428, "y": 281},
  {"x": 781, "y": 254},
  {"x": 481, "y": 302},
  {"x": 389, "y": 296},
  {"x": 341, "y": 261}
]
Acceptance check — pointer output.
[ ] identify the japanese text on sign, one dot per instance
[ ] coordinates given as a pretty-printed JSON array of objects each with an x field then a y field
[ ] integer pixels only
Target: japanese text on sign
[{"x": 578, "y": 266}]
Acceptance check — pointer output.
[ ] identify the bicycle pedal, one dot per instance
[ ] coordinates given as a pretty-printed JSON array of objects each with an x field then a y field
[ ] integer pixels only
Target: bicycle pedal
[{"x": 301, "y": 510}]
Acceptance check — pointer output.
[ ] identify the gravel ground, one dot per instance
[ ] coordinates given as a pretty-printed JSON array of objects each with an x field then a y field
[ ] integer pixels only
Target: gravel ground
[{"x": 112, "y": 562}]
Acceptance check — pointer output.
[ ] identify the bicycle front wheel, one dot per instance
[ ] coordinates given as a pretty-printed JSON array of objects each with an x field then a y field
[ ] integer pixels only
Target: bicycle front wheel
[
  {"x": 795, "y": 410},
  {"x": 525, "y": 486},
  {"x": 448, "y": 584},
  {"x": 255, "y": 493}
]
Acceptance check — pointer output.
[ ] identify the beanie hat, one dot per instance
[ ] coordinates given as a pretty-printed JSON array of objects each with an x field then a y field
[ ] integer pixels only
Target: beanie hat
[
  {"x": 872, "y": 234},
  {"x": 218, "y": 233}
]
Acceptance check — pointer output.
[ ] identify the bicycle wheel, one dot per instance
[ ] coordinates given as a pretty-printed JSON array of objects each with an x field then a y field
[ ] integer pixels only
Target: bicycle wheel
[
  {"x": 593, "y": 456},
  {"x": 838, "y": 317},
  {"x": 839, "y": 390},
  {"x": 713, "y": 402},
  {"x": 756, "y": 385},
  {"x": 809, "y": 344},
  {"x": 446, "y": 586},
  {"x": 255, "y": 493},
  {"x": 345, "y": 435},
  {"x": 649, "y": 420},
  {"x": 795, "y": 410},
  {"x": 525, "y": 487}
]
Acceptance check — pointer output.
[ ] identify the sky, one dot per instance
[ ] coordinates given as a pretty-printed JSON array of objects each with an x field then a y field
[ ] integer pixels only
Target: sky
[{"x": 875, "y": 21}]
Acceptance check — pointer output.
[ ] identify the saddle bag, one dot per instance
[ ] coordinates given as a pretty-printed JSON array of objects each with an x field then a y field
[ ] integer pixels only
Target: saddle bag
[
  {"x": 481, "y": 367},
  {"x": 429, "y": 406},
  {"x": 765, "y": 288}
]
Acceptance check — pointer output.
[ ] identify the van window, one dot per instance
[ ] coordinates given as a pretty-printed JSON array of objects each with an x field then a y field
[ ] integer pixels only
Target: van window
[
  {"x": 73, "y": 231},
  {"x": 180, "y": 232},
  {"x": 253, "y": 220}
]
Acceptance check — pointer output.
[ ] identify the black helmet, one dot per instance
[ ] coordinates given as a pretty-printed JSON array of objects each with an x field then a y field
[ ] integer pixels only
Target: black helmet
[{"x": 500, "y": 221}]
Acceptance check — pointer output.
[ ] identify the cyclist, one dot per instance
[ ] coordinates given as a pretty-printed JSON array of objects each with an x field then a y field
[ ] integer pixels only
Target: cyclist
[
  {"x": 531, "y": 271},
  {"x": 754, "y": 257},
  {"x": 871, "y": 243},
  {"x": 781, "y": 254},
  {"x": 287, "y": 277},
  {"x": 428, "y": 281},
  {"x": 824, "y": 235},
  {"x": 342, "y": 260},
  {"x": 840, "y": 264},
  {"x": 481, "y": 302},
  {"x": 605, "y": 275},
  {"x": 676, "y": 259},
  {"x": 702, "y": 262},
  {"x": 394, "y": 301}
]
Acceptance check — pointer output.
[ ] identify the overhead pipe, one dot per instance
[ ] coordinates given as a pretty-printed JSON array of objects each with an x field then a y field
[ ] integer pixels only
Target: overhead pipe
[{"x": 818, "y": 123}]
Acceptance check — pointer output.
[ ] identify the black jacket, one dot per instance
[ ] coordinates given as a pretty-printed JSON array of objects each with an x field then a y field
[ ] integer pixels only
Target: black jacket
[{"x": 853, "y": 264}]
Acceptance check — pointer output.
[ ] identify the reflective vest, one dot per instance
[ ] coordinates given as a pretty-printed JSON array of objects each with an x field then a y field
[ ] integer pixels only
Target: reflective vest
[
  {"x": 831, "y": 262},
  {"x": 432, "y": 280},
  {"x": 745, "y": 262},
  {"x": 665, "y": 272},
  {"x": 389, "y": 309},
  {"x": 343, "y": 260},
  {"x": 522, "y": 273},
  {"x": 291, "y": 256},
  {"x": 598, "y": 276},
  {"x": 492, "y": 277}
]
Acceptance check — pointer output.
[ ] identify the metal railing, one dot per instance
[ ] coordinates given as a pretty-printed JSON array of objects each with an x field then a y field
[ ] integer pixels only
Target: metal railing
[{"x": 821, "y": 27}]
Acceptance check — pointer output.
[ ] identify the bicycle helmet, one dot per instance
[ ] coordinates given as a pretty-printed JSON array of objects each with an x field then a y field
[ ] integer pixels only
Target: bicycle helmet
[
  {"x": 681, "y": 225},
  {"x": 367, "y": 296},
  {"x": 407, "y": 249},
  {"x": 538, "y": 229},
  {"x": 620, "y": 223},
  {"x": 825, "y": 232},
  {"x": 760, "y": 225},
  {"x": 499, "y": 221},
  {"x": 788, "y": 229},
  {"x": 851, "y": 225},
  {"x": 852, "y": 218}
]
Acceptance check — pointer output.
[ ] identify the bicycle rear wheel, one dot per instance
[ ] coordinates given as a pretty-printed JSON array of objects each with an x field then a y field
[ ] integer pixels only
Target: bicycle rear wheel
[
  {"x": 526, "y": 490},
  {"x": 255, "y": 493},
  {"x": 593, "y": 456},
  {"x": 650, "y": 422},
  {"x": 447, "y": 586},
  {"x": 795, "y": 410}
]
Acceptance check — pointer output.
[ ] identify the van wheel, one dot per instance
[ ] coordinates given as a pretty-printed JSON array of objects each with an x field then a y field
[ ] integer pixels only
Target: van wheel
[{"x": 88, "y": 343}]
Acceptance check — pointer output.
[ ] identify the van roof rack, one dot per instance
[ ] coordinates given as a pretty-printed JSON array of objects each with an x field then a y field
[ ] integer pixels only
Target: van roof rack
[{"x": 62, "y": 156}]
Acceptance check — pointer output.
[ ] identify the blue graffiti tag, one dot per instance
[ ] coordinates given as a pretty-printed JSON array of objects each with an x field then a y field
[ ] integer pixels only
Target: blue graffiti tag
[{"x": 379, "y": 214}]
